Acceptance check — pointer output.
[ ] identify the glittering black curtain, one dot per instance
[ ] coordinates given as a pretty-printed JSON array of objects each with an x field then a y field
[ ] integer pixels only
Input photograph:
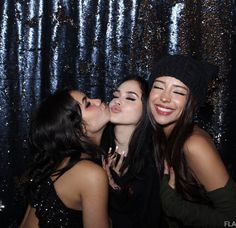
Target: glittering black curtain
[{"x": 90, "y": 45}]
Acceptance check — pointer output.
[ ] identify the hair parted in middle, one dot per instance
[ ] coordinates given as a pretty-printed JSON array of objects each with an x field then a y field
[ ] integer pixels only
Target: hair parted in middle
[
  {"x": 171, "y": 148},
  {"x": 138, "y": 150}
]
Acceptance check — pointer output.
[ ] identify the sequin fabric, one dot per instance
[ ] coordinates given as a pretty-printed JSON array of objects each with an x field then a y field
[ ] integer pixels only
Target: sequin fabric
[
  {"x": 91, "y": 45},
  {"x": 51, "y": 211}
]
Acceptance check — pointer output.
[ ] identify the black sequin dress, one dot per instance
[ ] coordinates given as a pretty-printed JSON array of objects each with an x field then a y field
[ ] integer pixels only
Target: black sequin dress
[{"x": 51, "y": 211}]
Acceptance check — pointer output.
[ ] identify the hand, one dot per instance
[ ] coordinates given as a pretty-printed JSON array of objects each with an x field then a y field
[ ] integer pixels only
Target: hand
[
  {"x": 112, "y": 162},
  {"x": 170, "y": 171},
  {"x": 107, "y": 163},
  {"x": 116, "y": 165}
]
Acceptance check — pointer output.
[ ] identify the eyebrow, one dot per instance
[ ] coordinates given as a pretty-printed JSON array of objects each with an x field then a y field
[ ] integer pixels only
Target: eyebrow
[
  {"x": 178, "y": 86},
  {"x": 129, "y": 92}
]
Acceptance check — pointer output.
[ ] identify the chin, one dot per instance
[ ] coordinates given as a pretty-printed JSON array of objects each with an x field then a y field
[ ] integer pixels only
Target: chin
[
  {"x": 114, "y": 120},
  {"x": 163, "y": 122}
]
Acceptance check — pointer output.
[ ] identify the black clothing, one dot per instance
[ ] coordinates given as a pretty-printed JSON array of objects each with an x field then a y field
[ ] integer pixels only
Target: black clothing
[
  {"x": 193, "y": 73},
  {"x": 137, "y": 204},
  {"x": 51, "y": 211}
]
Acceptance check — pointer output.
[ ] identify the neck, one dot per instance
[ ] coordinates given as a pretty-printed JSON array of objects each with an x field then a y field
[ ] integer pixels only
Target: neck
[
  {"x": 123, "y": 135},
  {"x": 168, "y": 129},
  {"x": 96, "y": 137}
]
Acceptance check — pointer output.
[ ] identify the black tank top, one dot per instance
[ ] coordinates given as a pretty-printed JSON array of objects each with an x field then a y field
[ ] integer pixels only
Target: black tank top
[{"x": 51, "y": 211}]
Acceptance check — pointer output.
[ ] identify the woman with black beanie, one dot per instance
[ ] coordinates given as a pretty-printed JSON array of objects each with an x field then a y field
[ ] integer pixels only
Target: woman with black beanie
[{"x": 196, "y": 190}]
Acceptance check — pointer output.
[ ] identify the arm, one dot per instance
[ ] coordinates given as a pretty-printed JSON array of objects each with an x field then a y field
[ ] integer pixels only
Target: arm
[
  {"x": 204, "y": 161},
  {"x": 207, "y": 167},
  {"x": 25, "y": 217},
  {"x": 224, "y": 200},
  {"x": 94, "y": 195},
  {"x": 190, "y": 214},
  {"x": 30, "y": 220}
]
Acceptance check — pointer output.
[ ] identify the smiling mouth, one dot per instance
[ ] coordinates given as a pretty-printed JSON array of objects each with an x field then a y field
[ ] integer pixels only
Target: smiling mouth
[{"x": 163, "y": 110}]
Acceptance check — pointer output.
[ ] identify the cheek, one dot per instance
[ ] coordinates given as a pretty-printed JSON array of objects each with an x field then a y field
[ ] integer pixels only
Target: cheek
[
  {"x": 153, "y": 94},
  {"x": 181, "y": 102},
  {"x": 111, "y": 103},
  {"x": 131, "y": 112},
  {"x": 134, "y": 107},
  {"x": 137, "y": 115},
  {"x": 153, "y": 111},
  {"x": 152, "y": 100},
  {"x": 137, "y": 111},
  {"x": 89, "y": 114},
  {"x": 151, "y": 104}
]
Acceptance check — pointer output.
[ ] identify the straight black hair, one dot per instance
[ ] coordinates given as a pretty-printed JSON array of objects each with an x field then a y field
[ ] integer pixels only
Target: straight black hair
[{"x": 139, "y": 150}]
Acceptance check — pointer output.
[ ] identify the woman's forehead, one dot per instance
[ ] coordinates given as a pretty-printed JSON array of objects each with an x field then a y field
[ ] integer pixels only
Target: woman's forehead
[
  {"x": 77, "y": 95},
  {"x": 130, "y": 85}
]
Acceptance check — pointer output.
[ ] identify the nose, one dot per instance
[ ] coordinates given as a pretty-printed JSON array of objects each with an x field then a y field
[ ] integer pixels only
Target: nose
[
  {"x": 165, "y": 97},
  {"x": 96, "y": 101},
  {"x": 117, "y": 101}
]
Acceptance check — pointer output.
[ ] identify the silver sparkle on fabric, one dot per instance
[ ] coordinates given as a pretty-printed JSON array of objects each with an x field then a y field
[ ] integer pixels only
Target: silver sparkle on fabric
[
  {"x": 175, "y": 15},
  {"x": 2, "y": 206}
]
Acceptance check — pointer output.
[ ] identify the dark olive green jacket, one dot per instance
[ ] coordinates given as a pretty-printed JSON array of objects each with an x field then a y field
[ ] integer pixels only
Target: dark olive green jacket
[{"x": 183, "y": 213}]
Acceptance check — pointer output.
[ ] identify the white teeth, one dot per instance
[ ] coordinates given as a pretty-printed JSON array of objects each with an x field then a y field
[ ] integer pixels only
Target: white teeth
[{"x": 164, "y": 109}]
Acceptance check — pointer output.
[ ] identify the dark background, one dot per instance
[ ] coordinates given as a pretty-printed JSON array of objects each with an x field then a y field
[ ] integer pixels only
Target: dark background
[{"x": 91, "y": 45}]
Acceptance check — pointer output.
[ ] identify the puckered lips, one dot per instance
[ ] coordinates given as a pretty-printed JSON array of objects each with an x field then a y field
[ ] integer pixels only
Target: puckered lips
[
  {"x": 115, "y": 109},
  {"x": 163, "y": 110}
]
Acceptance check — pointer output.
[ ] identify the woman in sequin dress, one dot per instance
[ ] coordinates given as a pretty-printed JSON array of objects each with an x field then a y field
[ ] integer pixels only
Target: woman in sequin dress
[
  {"x": 65, "y": 187},
  {"x": 134, "y": 187},
  {"x": 196, "y": 190}
]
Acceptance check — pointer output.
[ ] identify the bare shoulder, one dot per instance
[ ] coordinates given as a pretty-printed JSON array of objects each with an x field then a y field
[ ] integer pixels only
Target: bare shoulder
[
  {"x": 91, "y": 172},
  {"x": 84, "y": 173},
  {"x": 94, "y": 194},
  {"x": 204, "y": 160},
  {"x": 198, "y": 142}
]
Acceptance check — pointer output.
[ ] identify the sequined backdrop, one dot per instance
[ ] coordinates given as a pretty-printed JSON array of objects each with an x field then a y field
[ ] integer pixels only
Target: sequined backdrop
[{"x": 90, "y": 45}]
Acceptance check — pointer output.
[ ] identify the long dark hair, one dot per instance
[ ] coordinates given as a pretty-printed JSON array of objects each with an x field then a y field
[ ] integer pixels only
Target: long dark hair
[
  {"x": 139, "y": 146},
  {"x": 56, "y": 133},
  {"x": 171, "y": 150}
]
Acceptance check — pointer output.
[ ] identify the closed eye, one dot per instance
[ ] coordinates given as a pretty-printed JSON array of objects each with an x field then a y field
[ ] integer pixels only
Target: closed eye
[
  {"x": 88, "y": 103},
  {"x": 180, "y": 93},
  {"x": 157, "y": 87},
  {"x": 130, "y": 98}
]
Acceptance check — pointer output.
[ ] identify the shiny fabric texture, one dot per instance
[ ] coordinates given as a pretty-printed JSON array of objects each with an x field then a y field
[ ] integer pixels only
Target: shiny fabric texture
[
  {"x": 91, "y": 45},
  {"x": 51, "y": 211}
]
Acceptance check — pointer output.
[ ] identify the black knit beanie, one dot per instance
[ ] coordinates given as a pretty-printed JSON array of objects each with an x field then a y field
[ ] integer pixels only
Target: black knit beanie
[{"x": 193, "y": 73}]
